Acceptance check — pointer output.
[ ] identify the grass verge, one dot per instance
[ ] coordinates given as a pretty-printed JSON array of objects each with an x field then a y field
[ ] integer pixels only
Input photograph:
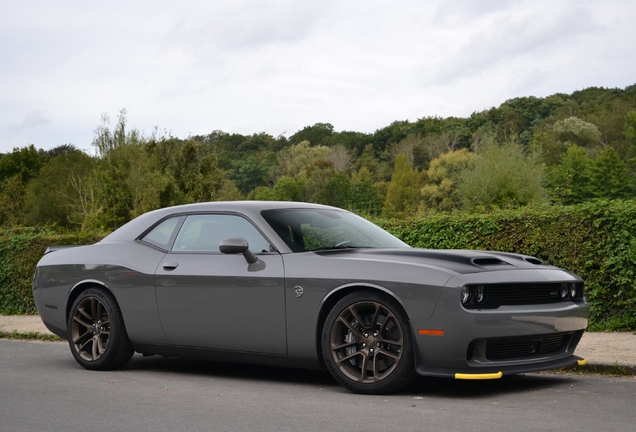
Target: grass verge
[{"x": 30, "y": 336}]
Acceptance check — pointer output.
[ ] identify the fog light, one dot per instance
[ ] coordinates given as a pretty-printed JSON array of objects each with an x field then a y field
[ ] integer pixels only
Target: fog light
[
  {"x": 565, "y": 291},
  {"x": 480, "y": 294},
  {"x": 465, "y": 295}
]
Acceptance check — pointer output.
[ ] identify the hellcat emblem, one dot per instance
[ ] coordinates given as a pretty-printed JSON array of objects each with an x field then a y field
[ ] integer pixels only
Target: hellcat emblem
[{"x": 299, "y": 291}]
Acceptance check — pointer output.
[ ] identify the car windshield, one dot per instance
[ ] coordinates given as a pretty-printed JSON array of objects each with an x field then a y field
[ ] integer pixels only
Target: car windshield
[{"x": 324, "y": 229}]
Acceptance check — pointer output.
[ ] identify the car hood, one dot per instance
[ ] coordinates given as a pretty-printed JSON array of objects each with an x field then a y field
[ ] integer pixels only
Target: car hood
[{"x": 458, "y": 261}]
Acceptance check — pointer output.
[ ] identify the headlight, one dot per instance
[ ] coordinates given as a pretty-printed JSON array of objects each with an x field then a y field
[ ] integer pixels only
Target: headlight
[
  {"x": 565, "y": 291},
  {"x": 480, "y": 294},
  {"x": 574, "y": 292},
  {"x": 465, "y": 295}
]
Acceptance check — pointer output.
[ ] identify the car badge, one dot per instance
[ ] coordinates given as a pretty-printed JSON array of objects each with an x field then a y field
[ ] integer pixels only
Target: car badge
[{"x": 299, "y": 291}]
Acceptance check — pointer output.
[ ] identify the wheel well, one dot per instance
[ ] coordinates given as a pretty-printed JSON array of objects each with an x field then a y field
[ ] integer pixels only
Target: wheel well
[
  {"x": 80, "y": 289},
  {"x": 329, "y": 303}
]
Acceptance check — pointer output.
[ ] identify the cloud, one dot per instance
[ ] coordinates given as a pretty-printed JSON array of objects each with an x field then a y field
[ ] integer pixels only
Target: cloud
[
  {"x": 510, "y": 35},
  {"x": 32, "y": 120}
]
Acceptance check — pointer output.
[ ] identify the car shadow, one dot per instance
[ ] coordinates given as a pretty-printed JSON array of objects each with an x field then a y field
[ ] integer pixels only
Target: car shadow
[
  {"x": 423, "y": 386},
  {"x": 453, "y": 388}
]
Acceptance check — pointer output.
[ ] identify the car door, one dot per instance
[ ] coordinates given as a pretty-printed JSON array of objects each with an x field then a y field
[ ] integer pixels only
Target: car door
[{"x": 211, "y": 300}]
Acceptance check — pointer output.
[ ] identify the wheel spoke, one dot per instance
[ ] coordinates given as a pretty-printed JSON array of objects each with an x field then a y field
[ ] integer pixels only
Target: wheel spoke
[
  {"x": 95, "y": 350},
  {"x": 344, "y": 345},
  {"x": 363, "y": 368},
  {"x": 350, "y": 327},
  {"x": 83, "y": 312},
  {"x": 355, "y": 316},
  {"x": 349, "y": 357},
  {"x": 84, "y": 323},
  {"x": 77, "y": 339},
  {"x": 94, "y": 303},
  {"x": 394, "y": 356},
  {"x": 374, "y": 320}
]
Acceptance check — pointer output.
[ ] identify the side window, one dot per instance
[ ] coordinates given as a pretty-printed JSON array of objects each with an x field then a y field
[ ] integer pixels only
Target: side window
[
  {"x": 203, "y": 233},
  {"x": 162, "y": 234}
]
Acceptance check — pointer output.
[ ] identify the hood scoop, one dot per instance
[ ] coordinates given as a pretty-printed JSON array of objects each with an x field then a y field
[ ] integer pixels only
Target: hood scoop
[
  {"x": 532, "y": 260},
  {"x": 488, "y": 262}
]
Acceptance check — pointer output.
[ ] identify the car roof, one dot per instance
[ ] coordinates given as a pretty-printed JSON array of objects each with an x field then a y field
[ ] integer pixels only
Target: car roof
[{"x": 251, "y": 209}]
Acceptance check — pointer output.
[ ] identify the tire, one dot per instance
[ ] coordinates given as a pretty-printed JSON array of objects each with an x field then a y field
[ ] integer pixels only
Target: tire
[
  {"x": 367, "y": 344},
  {"x": 97, "y": 335}
]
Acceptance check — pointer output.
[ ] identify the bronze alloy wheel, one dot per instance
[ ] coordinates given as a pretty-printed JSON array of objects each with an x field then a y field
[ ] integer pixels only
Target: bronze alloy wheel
[
  {"x": 367, "y": 347},
  {"x": 90, "y": 328},
  {"x": 97, "y": 334}
]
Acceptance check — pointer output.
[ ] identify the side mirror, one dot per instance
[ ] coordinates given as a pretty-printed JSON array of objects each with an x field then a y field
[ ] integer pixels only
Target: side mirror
[{"x": 237, "y": 245}]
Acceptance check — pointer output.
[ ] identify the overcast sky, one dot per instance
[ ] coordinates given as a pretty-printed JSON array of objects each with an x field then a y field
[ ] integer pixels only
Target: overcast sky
[{"x": 191, "y": 67}]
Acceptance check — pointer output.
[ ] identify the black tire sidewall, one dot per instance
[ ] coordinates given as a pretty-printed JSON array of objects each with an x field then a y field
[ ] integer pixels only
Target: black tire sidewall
[{"x": 403, "y": 374}]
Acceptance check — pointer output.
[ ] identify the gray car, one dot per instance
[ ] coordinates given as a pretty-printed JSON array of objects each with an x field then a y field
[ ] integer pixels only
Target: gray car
[{"x": 309, "y": 286}]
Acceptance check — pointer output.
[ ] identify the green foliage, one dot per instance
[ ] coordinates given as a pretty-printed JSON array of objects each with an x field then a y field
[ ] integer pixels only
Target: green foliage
[
  {"x": 502, "y": 176},
  {"x": 609, "y": 177},
  {"x": 20, "y": 250},
  {"x": 577, "y": 131},
  {"x": 440, "y": 189},
  {"x": 364, "y": 197},
  {"x": 570, "y": 179},
  {"x": 402, "y": 195},
  {"x": 595, "y": 240},
  {"x": 315, "y": 134}
]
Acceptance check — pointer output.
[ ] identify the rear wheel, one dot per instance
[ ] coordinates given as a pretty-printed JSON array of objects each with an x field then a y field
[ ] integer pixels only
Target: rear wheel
[
  {"x": 367, "y": 344},
  {"x": 97, "y": 335}
]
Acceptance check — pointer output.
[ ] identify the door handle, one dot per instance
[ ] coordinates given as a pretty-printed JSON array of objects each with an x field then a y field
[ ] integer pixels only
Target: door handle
[{"x": 170, "y": 265}]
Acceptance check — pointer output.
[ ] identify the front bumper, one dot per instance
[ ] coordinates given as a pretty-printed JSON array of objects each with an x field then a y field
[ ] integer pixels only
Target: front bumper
[{"x": 461, "y": 341}]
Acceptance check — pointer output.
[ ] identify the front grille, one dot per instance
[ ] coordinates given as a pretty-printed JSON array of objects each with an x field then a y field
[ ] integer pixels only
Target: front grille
[
  {"x": 519, "y": 294},
  {"x": 501, "y": 349},
  {"x": 523, "y": 293}
]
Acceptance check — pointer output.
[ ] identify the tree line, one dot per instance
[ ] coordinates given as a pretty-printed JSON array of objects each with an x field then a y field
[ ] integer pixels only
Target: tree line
[{"x": 558, "y": 150}]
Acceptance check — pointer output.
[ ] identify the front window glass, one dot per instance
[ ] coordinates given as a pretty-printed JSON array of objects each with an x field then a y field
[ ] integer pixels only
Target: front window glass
[
  {"x": 316, "y": 229},
  {"x": 204, "y": 233}
]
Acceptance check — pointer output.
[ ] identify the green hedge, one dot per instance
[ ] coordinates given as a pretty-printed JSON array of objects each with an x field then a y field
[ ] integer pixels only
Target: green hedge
[
  {"x": 20, "y": 250},
  {"x": 595, "y": 240}
]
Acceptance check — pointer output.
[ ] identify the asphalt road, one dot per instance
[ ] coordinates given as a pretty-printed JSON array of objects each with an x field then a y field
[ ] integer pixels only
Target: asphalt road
[{"x": 43, "y": 389}]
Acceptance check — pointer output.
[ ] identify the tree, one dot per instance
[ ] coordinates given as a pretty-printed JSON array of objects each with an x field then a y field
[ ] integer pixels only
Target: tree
[
  {"x": 64, "y": 193},
  {"x": 609, "y": 177},
  {"x": 338, "y": 190},
  {"x": 228, "y": 192},
  {"x": 407, "y": 146},
  {"x": 364, "y": 196},
  {"x": 440, "y": 191},
  {"x": 315, "y": 134},
  {"x": 403, "y": 192},
  {"x": 285, "y": 189},
  {"x": 24, "y": 162},
  {"x": 340, "y": 157},
  {"x": 293, "y": 161},
  {"x": 570, "y": 179},
  {"x": 502, "y": 176},
  {"x": 577, "y": 131}
]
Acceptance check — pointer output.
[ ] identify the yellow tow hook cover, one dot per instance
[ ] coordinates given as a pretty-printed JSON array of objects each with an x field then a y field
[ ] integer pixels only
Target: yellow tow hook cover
[
  {"x": 581, "y": 362},
  {"x": 478, "y": 376}
]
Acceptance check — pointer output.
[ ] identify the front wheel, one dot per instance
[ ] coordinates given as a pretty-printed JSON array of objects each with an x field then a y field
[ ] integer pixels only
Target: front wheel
[
  {"x": 97, "y": 335},
  {"x": 367, "y": 344}
]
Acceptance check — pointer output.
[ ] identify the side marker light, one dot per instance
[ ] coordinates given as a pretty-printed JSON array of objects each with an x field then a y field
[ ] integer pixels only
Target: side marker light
[{"x": 431, "y": 332}]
